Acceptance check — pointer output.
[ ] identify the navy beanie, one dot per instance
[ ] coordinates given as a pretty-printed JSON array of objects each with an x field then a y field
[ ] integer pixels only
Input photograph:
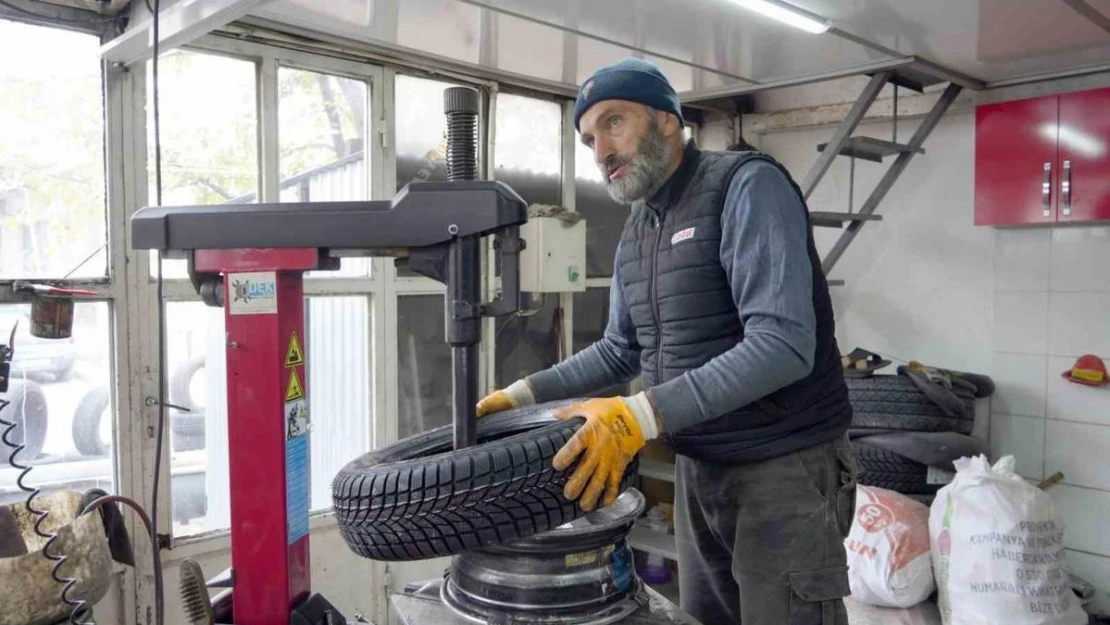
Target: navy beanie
[{"x": 632, "y": 79}]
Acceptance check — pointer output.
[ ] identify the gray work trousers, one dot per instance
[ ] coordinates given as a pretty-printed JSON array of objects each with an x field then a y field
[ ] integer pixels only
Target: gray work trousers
[{"x": 763, "y": 543}]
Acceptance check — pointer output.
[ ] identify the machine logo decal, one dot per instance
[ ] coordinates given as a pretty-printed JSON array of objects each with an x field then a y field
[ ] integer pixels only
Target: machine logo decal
[
  {"x": 682, "y": 235},
  {"x": 294, "y": 390},
  {"x": 294, "y": 355},
  {"x": 253, "y": 293},
  {"x": 296, "y": 418}
]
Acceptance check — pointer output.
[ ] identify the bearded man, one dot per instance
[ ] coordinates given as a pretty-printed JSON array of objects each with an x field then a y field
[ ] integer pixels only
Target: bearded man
[{"x": 719, "y": 303}]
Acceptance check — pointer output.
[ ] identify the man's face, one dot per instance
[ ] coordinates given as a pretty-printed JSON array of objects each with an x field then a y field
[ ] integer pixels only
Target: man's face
[{"x": 630, "y": 146}]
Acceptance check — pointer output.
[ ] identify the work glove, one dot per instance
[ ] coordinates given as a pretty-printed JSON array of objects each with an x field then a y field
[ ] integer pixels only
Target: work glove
[
  {"x": 515, "y": 395},
  {"x": 615, "y": 430}
]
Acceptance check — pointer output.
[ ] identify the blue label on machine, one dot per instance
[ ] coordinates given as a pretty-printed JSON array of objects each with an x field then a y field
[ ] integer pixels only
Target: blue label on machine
[{"x": 296, "y": 487}]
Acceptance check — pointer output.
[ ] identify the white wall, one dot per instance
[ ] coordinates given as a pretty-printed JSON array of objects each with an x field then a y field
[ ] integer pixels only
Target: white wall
[{"x": 1018, "y": 304}]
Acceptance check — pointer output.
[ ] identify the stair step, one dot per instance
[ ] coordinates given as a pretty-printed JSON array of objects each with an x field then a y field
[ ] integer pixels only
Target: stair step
[
  {"x": 830, "y": 219},
  {"x": 872, "y": 149}
]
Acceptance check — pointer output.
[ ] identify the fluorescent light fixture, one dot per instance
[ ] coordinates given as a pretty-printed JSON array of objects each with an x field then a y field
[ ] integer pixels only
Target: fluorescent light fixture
[{"x": 788, "y": 14}]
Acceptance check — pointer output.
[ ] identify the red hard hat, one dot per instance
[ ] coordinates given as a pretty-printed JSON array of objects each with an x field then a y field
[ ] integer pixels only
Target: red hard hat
[{"x": 1088, "y": 369}]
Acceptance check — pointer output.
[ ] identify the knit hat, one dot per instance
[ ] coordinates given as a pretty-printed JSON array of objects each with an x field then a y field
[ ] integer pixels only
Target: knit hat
[{"x": 631, "y": 79}]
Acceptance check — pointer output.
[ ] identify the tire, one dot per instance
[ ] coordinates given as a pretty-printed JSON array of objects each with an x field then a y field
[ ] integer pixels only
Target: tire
[
  {"x": 187, "y": 431},
  {"x": 894, "y": 402},
  {"x": 28, "y": 411},
  {"x": 181, "y": 379},
  {"x": 86, "y": 422},
  {"x": 885, "y": 469},
  {"x": 417, "y": 499}
]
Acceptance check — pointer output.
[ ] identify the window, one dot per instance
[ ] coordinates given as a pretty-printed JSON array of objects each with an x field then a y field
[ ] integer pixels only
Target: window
[
  {"x": 527, "y": 147},
  {"x": 424, "y": 365},
  {"x": 528, "y": 157},
  {"x": 322, "y": 122},
  {"x": 209, "y": 133},
  {"x": 51, "y": 155},
  {"x": 61, "y": 403},
  {"x": 604, "y": 217}
]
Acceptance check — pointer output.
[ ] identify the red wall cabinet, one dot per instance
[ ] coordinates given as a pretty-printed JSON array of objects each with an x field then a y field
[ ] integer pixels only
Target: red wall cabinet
[{"x": 1043, "y": 160}]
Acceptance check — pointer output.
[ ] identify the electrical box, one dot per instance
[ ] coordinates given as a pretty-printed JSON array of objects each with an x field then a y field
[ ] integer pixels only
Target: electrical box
[{"x": 554, "y": 257}]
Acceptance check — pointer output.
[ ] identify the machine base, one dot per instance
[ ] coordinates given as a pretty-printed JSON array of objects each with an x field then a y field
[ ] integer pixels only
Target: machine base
[{"x": 420, "y": 604}]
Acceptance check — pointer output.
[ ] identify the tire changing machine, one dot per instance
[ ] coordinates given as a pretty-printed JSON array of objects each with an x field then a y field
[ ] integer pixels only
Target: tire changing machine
[{"x": 250, "y": 260}]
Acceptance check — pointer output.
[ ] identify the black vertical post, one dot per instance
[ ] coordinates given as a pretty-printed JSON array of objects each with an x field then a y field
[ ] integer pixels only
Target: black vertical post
[{"x": 464, "y": 321}]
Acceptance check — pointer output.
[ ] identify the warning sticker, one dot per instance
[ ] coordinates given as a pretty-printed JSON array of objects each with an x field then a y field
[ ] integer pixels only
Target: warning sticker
[
  {"x": 293, "y": 390},
  {"x": 296, "y": 418},
  {"x": 294, "y": 355},
  {"x": 296, "y": 488}
]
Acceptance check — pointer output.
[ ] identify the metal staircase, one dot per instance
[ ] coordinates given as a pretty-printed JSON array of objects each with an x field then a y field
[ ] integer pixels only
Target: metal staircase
[{"x": 843, "y": 143}]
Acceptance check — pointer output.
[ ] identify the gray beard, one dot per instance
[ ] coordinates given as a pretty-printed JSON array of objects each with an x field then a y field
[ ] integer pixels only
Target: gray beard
[{"x": 646, "y": 171}]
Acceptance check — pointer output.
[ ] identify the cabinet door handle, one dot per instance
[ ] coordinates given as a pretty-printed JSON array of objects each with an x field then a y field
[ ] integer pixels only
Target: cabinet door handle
[
  {"x": 1046, "y": 190},
  {"x": 1065, "y": 188}
]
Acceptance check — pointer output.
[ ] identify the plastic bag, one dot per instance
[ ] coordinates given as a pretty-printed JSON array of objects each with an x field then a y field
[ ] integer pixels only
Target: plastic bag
[
  {"x": 863, "y": 614},
  {"x": 888, "y": 550},
  {"x": 998, "y": 550}
]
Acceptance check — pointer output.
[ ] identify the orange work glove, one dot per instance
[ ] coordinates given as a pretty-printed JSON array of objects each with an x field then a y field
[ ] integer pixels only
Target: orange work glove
[
  {"x": 613, "y": 434},
  {"x": 515, "y": 395}
]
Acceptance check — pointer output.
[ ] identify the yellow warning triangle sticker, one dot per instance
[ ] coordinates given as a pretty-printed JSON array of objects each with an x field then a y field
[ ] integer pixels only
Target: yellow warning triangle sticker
[
  {"x": 293, "y": 390},
  {"x": 294, "y": 355}
]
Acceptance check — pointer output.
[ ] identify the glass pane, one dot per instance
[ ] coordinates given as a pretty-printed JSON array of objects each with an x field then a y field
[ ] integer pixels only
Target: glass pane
[
  {"x": 529, "y": 341},
  {"x": 196, "y": 369},
  {"x": 527, "y": 151},
  {"x": 322, "y": 129},
  {"x": 421, "y": 134},
  {"x": 604, "y": 217},
  {"x": 62, "y": 404},
  {"x": 337, "y": 346},
  {"x": 340, "y": 388},
  {"x": 591, "y": 314},
  {"x": 51, "y": 154},
  {"x": 209, "y": 131},
  {"x": 424, "y": 365}
]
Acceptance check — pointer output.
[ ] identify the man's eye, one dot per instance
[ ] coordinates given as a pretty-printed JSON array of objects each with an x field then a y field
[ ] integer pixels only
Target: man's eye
[{"x": 615, "y": 121}]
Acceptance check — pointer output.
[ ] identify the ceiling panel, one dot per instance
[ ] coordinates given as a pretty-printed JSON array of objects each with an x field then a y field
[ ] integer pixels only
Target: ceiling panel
[{"x": 988, "y": 39}]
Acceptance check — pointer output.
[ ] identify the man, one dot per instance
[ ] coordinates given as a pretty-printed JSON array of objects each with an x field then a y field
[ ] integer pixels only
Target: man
[{"x": 719, "y": 303}]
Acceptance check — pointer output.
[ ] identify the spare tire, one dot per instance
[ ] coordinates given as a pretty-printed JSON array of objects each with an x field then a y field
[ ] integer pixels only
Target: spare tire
[
  {"x": 894, "y": 402},
  {"x": 86, "y": 422},
  {"x": 27, "y": 409},
  {"x": 417, "y": 499},
  {"x": 886, "y": 469}
]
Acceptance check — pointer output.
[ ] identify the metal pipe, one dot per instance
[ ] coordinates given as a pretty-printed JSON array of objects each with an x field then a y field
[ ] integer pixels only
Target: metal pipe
[{"x": 464, "y": 279}]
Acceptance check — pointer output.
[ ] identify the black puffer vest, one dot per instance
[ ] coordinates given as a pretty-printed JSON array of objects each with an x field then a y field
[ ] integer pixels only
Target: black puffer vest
[{"x": 681, "y": 304}]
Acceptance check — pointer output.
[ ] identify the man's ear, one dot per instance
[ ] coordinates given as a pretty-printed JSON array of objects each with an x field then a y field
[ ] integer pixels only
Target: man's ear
[{"x": 668, "y": 123}]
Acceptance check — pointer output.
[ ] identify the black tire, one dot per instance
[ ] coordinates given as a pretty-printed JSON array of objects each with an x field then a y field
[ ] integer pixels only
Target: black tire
[
  {"x": 28, "y": 411},
  {"x": 181, "y": 379},
  {"x": 416, "y": 499},
  {"x": 86, "y": 422},
  {"x": 891, "y": 471},
  {"x": 894, "y": 402}
]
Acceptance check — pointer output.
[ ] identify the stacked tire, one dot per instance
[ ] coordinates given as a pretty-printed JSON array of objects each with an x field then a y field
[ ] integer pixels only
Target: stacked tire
[{"x": 887, "y": 409}]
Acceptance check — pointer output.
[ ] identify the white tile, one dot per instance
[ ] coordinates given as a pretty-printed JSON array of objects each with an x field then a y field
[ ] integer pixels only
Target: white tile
[
  {"x": 1085, "y": 513},
  {"x": 1019, "y": 384},
  {"x": 1022, "y": 438},
  {"x": 1021, "y": 322},
  {"x": 1079, "y": 451},
  {"x": 1021, "y": 259},
  {"x": 1080, "y": 259},
  {"x": 1078, "y": 324},
  {"x": 1096, "y": 571},
  {"x": 1075, "y": 402}
]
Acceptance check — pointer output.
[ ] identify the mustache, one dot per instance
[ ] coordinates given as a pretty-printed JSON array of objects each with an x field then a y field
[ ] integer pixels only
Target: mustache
[{"x": 614, "y": 162}]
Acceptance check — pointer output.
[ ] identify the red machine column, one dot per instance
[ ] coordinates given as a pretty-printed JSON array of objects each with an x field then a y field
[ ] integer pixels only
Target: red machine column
[{"x": 268, "y": 439}]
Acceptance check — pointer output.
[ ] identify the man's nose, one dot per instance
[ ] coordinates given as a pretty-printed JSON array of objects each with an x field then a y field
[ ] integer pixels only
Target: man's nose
[{"x": 603, "y": 153}]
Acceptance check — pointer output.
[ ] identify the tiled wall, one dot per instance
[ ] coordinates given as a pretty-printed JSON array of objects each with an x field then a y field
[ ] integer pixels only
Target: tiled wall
[
  {"x": 1019, "y": 304},
  {"x": 1051, "y": 305}
]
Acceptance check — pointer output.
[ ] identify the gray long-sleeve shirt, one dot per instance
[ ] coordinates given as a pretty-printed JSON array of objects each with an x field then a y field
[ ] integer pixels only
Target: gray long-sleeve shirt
[{"x": 764, "y": 255}]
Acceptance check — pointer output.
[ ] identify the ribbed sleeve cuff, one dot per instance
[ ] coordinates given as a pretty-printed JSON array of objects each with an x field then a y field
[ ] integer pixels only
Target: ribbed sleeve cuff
[
  {"x": 676, "y": 404},
  {"x": 546, "y": 386}
]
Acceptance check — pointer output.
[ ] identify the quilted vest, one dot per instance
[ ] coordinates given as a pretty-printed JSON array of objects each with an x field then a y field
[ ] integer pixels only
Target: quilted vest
[{"x": 681, "y": 304}]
